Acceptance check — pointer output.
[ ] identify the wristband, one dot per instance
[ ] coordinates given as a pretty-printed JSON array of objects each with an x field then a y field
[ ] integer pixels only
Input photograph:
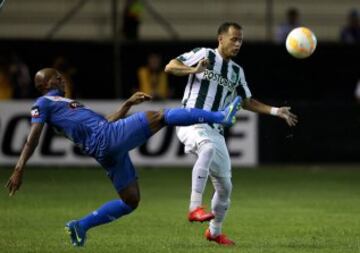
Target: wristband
[{"x": 274, "y": 111}]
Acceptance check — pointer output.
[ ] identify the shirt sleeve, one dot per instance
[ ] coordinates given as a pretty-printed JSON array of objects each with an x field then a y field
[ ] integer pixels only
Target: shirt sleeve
[
  {"x": 193, "y": 57},
  {"x": 39, "y": 111},
  {"x": 242, "y": 89}
]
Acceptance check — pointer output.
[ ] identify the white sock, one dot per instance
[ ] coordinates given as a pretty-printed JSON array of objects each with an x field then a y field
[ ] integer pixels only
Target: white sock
[
  {"x": 200, "y": 174},
  {"x": 199, "y": 179}
]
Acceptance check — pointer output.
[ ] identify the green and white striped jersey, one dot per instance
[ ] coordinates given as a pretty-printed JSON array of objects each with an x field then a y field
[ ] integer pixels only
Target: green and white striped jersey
[{"x": 217, "y": 86}]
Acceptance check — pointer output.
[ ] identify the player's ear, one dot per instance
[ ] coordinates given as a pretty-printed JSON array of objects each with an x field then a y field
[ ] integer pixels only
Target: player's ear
[{"x": 220, "y": 38}]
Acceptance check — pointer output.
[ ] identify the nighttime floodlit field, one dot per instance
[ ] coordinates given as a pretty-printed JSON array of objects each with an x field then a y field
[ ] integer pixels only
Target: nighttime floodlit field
[{"x": 292, "y": 209}]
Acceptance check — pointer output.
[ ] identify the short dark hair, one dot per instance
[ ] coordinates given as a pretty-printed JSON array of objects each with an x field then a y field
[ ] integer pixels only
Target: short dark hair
[{"x": 224, "y": 27}]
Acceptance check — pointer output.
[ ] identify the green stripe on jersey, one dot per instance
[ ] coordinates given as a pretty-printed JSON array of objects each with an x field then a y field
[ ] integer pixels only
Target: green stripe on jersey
[
  {"x": 192, "y": 77},
  {"x": 239, "y": 89},
  {"x": 181, "y": 58},
  {"x": 219, "y": 88},
  {"x": 204, "y": 85}
]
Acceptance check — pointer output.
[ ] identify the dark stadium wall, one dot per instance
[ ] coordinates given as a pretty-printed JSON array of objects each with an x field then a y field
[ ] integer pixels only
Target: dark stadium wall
[{"x": 319, "y": 89}]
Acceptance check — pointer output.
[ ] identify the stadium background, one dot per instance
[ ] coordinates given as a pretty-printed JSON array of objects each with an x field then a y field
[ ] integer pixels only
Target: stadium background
[{"x": 311, "y": 170}]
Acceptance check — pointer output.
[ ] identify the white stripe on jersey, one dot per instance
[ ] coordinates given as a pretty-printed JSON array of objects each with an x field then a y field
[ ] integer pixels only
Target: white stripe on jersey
[{"x": 58, "y": 98}]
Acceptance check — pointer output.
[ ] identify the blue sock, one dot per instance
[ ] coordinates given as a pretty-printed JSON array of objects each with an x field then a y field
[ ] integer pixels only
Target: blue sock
[
  {"x": 110, "y": 211},
  {"x": 190, "y": 116}
]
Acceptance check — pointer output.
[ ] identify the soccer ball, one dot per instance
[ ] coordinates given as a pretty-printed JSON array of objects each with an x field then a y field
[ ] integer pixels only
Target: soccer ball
[{"x": 301, "y": 42}]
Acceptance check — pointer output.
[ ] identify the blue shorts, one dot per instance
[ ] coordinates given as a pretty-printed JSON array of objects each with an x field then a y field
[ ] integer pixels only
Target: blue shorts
[{"x": 123, "y": 136}]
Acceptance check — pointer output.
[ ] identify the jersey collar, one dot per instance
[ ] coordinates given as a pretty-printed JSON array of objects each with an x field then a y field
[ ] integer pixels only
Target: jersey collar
[{"x": 55, "y": 92}]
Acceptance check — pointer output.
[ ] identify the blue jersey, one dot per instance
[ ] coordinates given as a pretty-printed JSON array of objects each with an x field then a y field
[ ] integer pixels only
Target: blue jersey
[
  {"x": 108, "y": 143},
  {"x": 71, "y": 119}
]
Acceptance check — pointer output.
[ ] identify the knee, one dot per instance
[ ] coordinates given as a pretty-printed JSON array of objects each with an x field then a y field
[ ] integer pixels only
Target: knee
[
  {"x": 132, "y": 201},
  {"x": 156, "y": 120},
  {"x": 207, "y": 149},
  {"x": 155, "y": 116}
]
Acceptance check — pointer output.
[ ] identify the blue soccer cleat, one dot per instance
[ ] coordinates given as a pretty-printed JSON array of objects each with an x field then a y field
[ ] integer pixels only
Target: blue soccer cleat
[
  {"x": 230, "y": 111},
  {"x": 77, "y": 234}
]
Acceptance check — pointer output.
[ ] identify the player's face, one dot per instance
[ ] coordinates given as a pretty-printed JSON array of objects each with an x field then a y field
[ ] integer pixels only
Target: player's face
[{"x": 230, "y": 42}]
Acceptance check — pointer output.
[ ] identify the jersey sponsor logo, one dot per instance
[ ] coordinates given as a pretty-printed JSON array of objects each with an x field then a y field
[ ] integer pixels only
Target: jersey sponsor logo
[
  {"x": 35, "y": 112},
  {"x": 234, "y": 77},
  {"x": 75, "y": 104},
  {"x": 211, "y": 75}
]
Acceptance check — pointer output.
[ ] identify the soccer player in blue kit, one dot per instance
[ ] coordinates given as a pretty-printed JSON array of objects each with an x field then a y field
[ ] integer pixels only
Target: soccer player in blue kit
[{"x": 107, "y": 139}]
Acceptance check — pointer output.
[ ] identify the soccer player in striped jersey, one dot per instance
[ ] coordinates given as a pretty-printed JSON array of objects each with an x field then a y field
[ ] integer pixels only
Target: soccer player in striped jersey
[
  {"x": 214, "y": 80},
  {"x": 107, "y": 139}
]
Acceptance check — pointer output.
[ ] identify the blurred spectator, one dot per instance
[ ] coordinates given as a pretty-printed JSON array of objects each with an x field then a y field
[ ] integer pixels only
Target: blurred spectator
[
  {"x": 132, "y": 19},
  {"x": 350, "y": 33},
  {"x": 292, "y": 21},
  {"x": 63, "y": 65},
  {"x": 152, "y": 78},
  {"x": 20, "y": 78},
  {"x": 6, "y": 90}
]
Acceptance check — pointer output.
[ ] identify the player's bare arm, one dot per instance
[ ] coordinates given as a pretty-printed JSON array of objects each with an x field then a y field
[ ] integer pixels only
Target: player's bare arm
[
  {"x": 177, "y": 68},
  {"x": 32, "y": 141},
  {"x": 136, "y": 98},
  {"x": 281, "y": 112}
]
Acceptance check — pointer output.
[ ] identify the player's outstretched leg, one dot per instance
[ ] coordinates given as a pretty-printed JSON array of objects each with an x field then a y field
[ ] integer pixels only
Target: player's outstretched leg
[{"x": 190, "y": 116}]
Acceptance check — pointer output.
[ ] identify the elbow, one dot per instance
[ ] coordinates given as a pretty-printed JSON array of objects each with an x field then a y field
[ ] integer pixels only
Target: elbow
[
  {"x": 170, "y": 66},
  {"x": 167, "y": 68}
]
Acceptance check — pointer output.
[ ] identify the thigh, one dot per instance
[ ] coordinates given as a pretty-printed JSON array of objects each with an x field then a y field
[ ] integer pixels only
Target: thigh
[
  {"x": 193, "y": 136},
  {"x": 129, "y": 133},
  {"x": 122, "y": 172}
]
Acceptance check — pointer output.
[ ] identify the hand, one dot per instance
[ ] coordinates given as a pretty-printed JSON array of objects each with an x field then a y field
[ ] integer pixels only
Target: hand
[
  {"x": 138, "y": 97},
  {"x": 14, "y": 181},
  {"x": 290, "y": 118},
  {"x": 201, "y": 66}
]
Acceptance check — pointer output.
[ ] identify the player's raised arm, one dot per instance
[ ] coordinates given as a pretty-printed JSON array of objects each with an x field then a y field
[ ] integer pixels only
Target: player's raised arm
[
  {"x": 281, "y": 112},
  {"x": 136, "y": 98},
  {"x": 178, "y": 68},
  {"x": 32, "y": 141}
]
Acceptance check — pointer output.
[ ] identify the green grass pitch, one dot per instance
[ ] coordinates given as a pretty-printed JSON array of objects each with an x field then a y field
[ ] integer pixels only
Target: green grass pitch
[{"x": 272, "y": 210}]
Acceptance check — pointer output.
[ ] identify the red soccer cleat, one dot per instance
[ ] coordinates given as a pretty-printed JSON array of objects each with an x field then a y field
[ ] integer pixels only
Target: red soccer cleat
[
  {"x": 199, "y": 215},
  {"x": 220, "y": 239}
]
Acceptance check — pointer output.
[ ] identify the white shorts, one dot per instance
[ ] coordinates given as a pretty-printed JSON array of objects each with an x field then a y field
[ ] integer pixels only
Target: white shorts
[{"x": 194, "y": 136}]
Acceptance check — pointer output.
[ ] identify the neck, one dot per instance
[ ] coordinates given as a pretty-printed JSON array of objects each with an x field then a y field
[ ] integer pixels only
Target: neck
[
  {"x": 57, "y": 90},
  {"x": 223, "y": 55}
]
